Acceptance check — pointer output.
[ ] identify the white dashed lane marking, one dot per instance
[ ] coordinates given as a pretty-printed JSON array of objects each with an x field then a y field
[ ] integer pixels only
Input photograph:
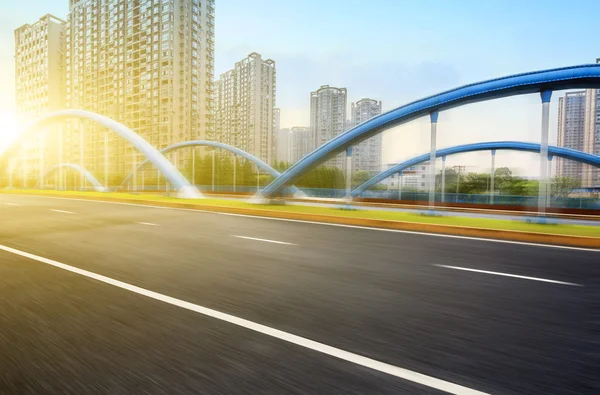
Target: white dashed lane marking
[
  {"x": 265, "y": 240},
  {"x": 544, "y": 280},
  {"x": 62, "y": 211}
]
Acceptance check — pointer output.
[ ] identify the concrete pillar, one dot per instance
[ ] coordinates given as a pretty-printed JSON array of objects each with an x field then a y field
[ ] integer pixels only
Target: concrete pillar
[
  {"x": 400, "y": 174},
  {"x": 549, "y": 187},
  {"x": 542, "y": 195},
  {"x": 432, "y": 155},
  {"x": 348, "y": 173},
  {"x": 443, "y": 178},
  {"x": 492, "y": 175}
]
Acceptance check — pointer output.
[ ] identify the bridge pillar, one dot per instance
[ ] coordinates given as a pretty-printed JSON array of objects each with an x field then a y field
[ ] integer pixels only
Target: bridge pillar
[
  {"x": 549, "y": 186},
  {"x": 542, "y": 195},
  {"x": 400, "y": 174},
  {"x": 432, "y": 155},
  {"x": 443, "y": 178},
  {"x": 348, "y": 173},
  {"x": 492, "y": 175}
]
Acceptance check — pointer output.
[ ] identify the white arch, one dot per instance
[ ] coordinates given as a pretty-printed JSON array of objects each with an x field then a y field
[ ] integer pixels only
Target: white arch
[{"x": 181, "y": 184}]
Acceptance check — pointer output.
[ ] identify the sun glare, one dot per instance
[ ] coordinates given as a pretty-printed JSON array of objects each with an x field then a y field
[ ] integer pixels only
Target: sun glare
[{"x": 9, "y": 129}]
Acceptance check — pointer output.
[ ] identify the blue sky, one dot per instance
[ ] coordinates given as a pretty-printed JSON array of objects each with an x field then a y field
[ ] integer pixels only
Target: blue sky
[{"x": 395, "y": 51}]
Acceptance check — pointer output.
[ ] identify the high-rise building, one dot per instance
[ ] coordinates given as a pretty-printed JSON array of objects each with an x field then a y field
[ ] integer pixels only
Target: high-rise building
[
  {"x": 284, "y": 145},
  {"x": 366, "y": 156},
  {"x": 245, "y": 106},
  {"x": 276, "y": 133},
  {"x": 148, "y": 64},
  {"x": 39, "y": 66},
  {"x": 571, "y": 131},
  {"x": 591, "y": 139},
  {"x": 299, "y": 143},
  {"x": 327, "y": 119}
]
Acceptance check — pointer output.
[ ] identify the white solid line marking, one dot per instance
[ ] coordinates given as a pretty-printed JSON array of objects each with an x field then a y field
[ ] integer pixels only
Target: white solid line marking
[
  {"x": 406, "y": 374},
  {"x": 62, "y": 211},
  {"x": 147, "y": 223},
  {"x": 12, "y": 204},
  {"x": 545, "y": 280},
  {"x": 265, "y": 240},
  {"x": 330, "y": 224}
]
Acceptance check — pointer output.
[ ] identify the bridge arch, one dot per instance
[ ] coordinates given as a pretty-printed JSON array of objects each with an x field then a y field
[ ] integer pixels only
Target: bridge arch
[
  {"x": 561, "y": 152},
  {"x": 184, "y": 188},
  {"x": 583, "y": 76},
  {"x": 98, "y": 187},
  {"x": 206, "y": 143}
]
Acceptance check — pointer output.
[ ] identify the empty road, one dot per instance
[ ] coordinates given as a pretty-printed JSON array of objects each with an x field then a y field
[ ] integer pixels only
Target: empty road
[{"x": 104, "y": 298}]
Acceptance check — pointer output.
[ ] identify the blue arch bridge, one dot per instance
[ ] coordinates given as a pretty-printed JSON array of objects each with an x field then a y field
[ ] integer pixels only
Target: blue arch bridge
[{"x": 542, "y": 82}]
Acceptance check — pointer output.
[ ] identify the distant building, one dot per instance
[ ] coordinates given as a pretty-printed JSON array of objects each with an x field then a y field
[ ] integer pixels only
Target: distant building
[
  {"x": 39, "y": 86},
  {"x": 327, "y": 119},
  {"x": 245, "y": 107},
  {"x": 414, "y": 177},
  {"x": 571, "y": 131},
  {"x": 366, "y": 156},
  {"x": 276, "y": 131},
  {"x": 284, "y": 145},
  {"x": 300, "y": 145}
]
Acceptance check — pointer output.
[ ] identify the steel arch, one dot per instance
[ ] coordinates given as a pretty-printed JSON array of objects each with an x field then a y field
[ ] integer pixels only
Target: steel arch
[
  {"x": 184, "y": 188},
  {"x": 582, "y": 76},
  {"x": 88, "y": 176},
  {"x": 205, "y": 143},
  {"x": 561, "y": 152}
]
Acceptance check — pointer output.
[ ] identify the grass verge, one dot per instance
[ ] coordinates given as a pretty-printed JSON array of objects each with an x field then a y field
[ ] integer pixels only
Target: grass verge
[{"x": 485, "y": 223}]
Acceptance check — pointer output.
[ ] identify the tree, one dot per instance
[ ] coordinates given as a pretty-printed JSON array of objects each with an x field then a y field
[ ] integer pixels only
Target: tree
[
  {"x": 562, "y": 186},
  {"x": 360, "y": 177}
]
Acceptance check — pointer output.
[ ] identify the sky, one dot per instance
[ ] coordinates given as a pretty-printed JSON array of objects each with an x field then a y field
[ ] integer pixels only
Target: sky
[{"x": 396, "y": 51}]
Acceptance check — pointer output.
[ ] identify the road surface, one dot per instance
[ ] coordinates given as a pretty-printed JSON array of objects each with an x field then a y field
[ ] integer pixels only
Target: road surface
[{"x": 103, "y": 298}]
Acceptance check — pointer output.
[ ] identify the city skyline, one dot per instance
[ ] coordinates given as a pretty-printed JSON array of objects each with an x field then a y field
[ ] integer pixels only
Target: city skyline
[{"x": 422, "y": 66}]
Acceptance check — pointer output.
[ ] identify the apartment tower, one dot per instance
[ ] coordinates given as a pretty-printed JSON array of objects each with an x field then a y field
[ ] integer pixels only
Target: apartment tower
[
  {"x": 245, "y": 107},
  {"x": 39, "y": 70},
  {"x": 148, "y": 64},
  {"x": 327, "y": 119},
  {"x": 366, "y": 156}
]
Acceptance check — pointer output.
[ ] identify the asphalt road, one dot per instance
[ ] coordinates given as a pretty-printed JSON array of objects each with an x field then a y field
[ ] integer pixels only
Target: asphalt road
[{"x": 363, "y": 293}]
